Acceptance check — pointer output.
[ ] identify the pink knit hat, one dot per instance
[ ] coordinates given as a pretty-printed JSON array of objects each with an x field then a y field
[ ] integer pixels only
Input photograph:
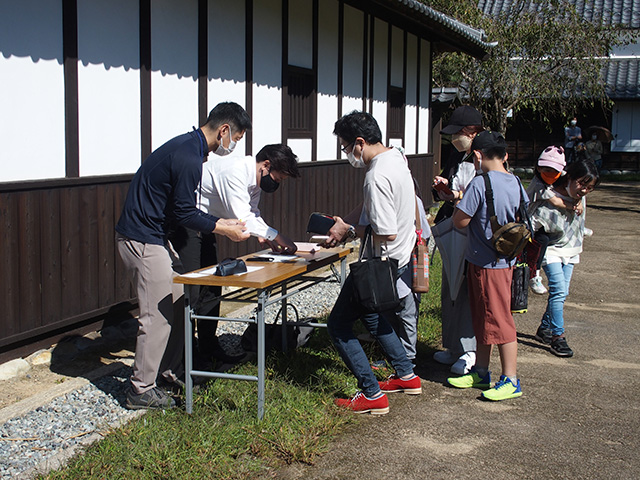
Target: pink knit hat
[{"x": 553, "y": 157}]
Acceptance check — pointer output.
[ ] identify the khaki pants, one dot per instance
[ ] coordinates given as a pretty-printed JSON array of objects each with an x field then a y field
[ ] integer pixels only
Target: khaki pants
[{"x": 160, "y": 339}]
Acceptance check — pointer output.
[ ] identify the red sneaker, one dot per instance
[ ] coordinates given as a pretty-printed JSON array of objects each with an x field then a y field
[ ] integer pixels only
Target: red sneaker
[
  {"x": 361, "y": 404},
  {"x": 396, "y": 384}
]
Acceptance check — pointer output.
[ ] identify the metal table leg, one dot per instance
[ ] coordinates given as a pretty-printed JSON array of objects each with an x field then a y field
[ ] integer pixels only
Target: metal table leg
[
  {"x": 284, "y": 306},
  {"x": 343, "y": 270},
  {"x": 262, "y": 300},
  {"x": 188, "y": 351}
]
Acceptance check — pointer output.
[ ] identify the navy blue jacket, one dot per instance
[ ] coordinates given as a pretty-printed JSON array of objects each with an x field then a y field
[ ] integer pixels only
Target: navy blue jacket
[{"x": 165, "y": 186}]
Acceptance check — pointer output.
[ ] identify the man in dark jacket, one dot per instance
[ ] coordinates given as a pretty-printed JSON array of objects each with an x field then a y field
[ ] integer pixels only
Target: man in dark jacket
[{"x": 165, "y": 185}]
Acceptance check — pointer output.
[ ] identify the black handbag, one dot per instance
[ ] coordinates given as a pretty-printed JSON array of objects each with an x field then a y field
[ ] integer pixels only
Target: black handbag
[
  {"x": 374, "y": 280},
  {"x": 231, "y": 266}
]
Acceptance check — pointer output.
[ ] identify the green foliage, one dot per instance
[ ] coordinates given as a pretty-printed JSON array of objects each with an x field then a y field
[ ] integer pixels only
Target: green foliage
[{"x": 547, "y": 59}]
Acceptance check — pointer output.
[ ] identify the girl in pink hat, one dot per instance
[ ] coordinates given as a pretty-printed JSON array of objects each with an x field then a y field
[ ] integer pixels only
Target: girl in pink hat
[{"x": 549, "y": 169}]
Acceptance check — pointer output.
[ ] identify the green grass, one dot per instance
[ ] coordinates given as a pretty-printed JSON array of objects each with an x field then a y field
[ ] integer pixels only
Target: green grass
[{"x": 223, "y": 439}]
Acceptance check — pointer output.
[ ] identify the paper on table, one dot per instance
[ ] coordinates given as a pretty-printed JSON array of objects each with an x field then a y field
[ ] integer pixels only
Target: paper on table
[
  {"x": 307, "y": 247},
  {"x": 277, "y": 257},
  {"x": 212, "y": 271}
]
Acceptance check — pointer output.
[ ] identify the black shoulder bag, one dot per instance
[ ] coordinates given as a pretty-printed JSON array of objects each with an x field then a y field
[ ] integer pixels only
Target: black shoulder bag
[{"x": 374, "y": 279}]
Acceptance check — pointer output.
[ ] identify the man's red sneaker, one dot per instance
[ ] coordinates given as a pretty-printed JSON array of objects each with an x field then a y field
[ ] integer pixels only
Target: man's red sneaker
[
  {"x": 396, "y": 384},
  {"x": 361, "y": 404}
]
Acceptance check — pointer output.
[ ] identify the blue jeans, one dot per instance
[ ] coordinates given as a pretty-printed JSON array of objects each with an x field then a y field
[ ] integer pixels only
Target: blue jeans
[
  {"x": 559, "y": 277},
  {"x": 340, "y": 325}
]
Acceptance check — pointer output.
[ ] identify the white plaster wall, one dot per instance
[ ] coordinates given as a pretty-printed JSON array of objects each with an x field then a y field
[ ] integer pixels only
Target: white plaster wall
[
  {"x": 301, "y": 33},
  {"x": 397, "y": 57},
  {"x": 32, "y": 91},
  {"x": 226, "y": 58},
  {"x": 411, "y": 110},
  {"x": 302, "y": 147},
  {"x": 267, "y": 73},
  {"x": 380, "y": 65},
  {"x": 327, "y": 79},
  {"x": 174, "y": 69},
  {"x": 353, "y": 61},
  {"x": 108, "y": 86},
  {"x": 424, "y": 124}
]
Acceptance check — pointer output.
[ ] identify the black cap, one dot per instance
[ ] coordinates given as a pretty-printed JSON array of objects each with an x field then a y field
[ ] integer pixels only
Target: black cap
[
  {"x": 464, "y": 116},
  {"x": 488, "y": 139}
]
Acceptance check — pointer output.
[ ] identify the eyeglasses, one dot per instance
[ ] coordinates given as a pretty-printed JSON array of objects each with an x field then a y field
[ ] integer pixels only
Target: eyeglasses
[{"x": 346, "y": 147}]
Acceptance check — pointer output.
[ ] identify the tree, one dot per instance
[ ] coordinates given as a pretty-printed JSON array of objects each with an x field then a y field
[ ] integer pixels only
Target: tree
[{"x": 547, "y": 59}]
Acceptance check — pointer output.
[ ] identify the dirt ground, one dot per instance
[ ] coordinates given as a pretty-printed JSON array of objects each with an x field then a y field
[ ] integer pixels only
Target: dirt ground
[{"x": 578, "y": 417}]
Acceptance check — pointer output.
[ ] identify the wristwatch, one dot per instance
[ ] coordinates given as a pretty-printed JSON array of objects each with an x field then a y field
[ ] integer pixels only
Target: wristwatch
[{"x": 351, "y": 233}]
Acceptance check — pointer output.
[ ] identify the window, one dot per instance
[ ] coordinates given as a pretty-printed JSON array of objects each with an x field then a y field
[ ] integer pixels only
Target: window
[
  {"x": 396, "y": 112},
  {"x": 300, "y": 98}
]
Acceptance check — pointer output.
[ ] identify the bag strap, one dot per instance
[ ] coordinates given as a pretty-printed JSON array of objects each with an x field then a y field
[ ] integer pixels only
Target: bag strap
[
  {"x": 368, "y": 236},
  {"x": 491, "y": 211}
]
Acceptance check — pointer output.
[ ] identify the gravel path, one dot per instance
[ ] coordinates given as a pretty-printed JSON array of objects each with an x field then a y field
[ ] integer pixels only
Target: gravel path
[{"x": 41, "y": 439}]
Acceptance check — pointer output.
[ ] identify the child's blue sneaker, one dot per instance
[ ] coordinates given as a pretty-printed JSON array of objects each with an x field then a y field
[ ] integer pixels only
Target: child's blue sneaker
[{"x": 503, "y": 390}]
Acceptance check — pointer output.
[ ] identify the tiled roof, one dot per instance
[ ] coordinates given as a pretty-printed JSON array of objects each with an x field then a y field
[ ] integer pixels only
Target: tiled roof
[
  {"x": 450, "y": 28},
  {"x": 625, "y": 12},
  {"x": 622, "y": 78}
]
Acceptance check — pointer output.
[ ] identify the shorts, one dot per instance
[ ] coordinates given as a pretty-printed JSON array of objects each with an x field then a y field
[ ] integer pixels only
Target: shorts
[{"x": 490, "y": 299}]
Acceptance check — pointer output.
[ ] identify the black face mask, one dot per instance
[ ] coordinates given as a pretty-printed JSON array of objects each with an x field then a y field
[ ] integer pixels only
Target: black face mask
[{"x": 268, "y": 184}]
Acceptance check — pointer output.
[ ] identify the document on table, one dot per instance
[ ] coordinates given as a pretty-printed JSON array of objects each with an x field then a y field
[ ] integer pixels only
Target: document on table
[
  {"x": 278, "y": 257},
  {"x": 212, "y": 271}
]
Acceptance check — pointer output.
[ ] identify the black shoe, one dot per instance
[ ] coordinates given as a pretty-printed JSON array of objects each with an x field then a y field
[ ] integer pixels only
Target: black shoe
[
  {"x": 543, "y": 335},
  {"x": 155, "y": 398},
  {"x": 560, "y": 348}
]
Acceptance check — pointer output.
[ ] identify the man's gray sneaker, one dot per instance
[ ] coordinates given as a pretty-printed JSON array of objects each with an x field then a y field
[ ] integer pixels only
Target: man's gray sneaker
[{"x": 154, "y": 398}]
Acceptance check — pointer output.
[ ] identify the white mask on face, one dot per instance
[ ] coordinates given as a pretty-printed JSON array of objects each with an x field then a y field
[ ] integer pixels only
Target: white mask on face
[
  {"x": 574, "y": 123},
  {"x": 461, "y": 142},
  {"x": 222, "y": 150},
  {"x": 356, "y": 162}
]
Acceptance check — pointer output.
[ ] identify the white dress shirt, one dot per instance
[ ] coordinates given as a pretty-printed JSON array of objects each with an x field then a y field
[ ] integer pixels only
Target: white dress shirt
[{"x": 229, "y": 190}]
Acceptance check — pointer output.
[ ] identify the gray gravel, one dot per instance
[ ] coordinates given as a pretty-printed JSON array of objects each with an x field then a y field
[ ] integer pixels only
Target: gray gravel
[{"x": 30, "y": 442}]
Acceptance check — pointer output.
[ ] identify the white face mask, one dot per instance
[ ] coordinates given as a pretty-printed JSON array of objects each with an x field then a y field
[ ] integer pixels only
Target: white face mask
[
  {"x": 574, "y": 123},
  {"x": 461, "y": 142},
  {"x": 222, "y": 150},
  {"x": 355, "y": 162}
]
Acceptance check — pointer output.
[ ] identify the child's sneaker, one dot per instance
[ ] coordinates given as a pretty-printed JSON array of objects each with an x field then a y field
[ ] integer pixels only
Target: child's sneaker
[
  {"x": 397, "y": 384},
  {"x": 361, "y": 404},
  {"x": 503, "y": 390},
  {"x": 543, "y": 335},
  {"x": 588, "y": 232},
  {"x": 472, "y": 379},
  {"x": 560, "y": 347},
  {"x": 536, "y": 285}
]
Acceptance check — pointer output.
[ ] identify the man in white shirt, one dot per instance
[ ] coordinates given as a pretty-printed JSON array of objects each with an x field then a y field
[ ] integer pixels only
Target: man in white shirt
[
  {"x": 232, "y": 185},
  {"x": 389, "y": 208}
]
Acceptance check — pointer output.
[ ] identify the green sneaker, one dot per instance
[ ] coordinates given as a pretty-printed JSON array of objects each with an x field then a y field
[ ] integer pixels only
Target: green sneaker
[
  {"x": 503, "y": 390},
  {"x": 471, "y": 379}
]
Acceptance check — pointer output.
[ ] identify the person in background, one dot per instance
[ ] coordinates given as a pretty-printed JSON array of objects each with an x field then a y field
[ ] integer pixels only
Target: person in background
[
  {"x": 457, "y": 330},
  {"x": 572, "y": 137},
  {"x": 488, "y": 273},
  {"x": 167, "y": 182},
  {"x": 563, "y": 251},
  {"x": 232, "y": 188},
  {"x": 389, "y": 208},
  {"x": 594, "y": 150}
]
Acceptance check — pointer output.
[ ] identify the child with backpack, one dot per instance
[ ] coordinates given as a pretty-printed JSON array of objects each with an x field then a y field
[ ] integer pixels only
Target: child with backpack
[
  {"x": 549, "y": 169},
  {"x": 489, "y": 273},
  {"x": 566, "y": 227}
]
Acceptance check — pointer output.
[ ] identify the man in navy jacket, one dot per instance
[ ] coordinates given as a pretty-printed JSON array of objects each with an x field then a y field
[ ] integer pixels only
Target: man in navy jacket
[{"x": 165, "y": 186}]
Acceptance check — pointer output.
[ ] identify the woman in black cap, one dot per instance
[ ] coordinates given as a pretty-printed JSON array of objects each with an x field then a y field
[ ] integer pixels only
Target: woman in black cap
[{"x": 457, "y": 331}]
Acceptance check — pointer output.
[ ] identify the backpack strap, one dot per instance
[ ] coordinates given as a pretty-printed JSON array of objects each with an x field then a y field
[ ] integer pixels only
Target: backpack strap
[{"x": 491, "y": 210}]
